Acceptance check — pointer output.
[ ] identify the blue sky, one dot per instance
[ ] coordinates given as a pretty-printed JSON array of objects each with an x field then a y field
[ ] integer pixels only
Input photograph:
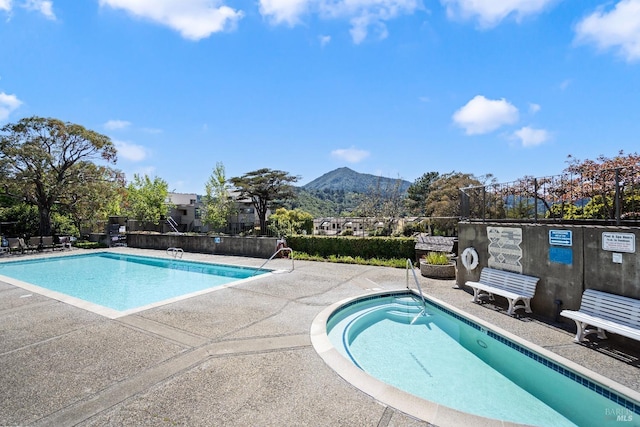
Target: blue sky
[{"x": 394, "y": 88}]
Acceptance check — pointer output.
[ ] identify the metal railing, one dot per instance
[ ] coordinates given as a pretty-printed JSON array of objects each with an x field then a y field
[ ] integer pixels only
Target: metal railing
[
  {"x": 173, "y": 224},
  {"x": 279, "y": 251},
  {"x": 409, "y": 265},
  {"x": 609, "y": 196},
  {"x": 175, "y": 252}
]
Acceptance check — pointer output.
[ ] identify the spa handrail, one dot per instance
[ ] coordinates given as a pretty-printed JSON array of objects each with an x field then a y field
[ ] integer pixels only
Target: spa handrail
[
  {"x": 285, "y": 249},
  {"x": 415, "y": 278}
]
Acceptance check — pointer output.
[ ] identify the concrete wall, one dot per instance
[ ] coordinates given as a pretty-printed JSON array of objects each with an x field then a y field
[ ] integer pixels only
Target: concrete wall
[
  {"x": 259, "y": 247},
  {"x": 565, "y": 269}
]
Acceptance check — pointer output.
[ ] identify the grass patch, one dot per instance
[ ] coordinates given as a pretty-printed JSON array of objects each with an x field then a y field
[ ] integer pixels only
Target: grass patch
[{"x": 379, "y": 262}]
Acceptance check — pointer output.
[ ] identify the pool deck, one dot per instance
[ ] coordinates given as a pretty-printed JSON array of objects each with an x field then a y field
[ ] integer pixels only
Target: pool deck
[{"x": 236, "y": 356}]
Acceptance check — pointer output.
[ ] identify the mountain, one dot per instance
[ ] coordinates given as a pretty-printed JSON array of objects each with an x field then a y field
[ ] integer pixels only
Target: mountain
[
  {"x": 340, "y": 191},
  {"x": 348, "y": 180}
]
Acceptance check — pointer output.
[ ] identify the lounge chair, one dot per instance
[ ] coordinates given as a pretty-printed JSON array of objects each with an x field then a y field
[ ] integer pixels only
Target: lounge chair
[
  {"x": 34, "y": 243},
  {"x": 16, "y": 244},
  {"x": 47, "y": 242}
]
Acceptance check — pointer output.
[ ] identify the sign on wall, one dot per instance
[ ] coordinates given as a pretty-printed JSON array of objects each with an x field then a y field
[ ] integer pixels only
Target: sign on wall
[
  {"x": 505, "y": 252},
  {"x": 561, "y": 237},
  {"x": 619, "y": 242}
]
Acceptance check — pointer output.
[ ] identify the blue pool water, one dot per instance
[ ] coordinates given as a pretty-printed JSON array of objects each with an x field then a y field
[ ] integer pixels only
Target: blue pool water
[
  {"x": 123, "y": 282},
  {"x": 445, "y": 358}
]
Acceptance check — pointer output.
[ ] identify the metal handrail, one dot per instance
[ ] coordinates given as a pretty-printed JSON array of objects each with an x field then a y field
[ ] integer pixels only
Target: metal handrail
[
  {"x": 273, "y": 256},
  {"x": 173, "y": 224},
  {"x": 174, "y": 252},
  {"x": 409, "y": 263}
]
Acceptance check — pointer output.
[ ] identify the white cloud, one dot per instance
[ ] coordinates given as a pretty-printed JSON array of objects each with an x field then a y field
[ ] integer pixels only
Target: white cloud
[
  {"x": 284, "y": 11},
  {"x": 531, "y": 137},
  {"x": 43, "y": 6},
  {"x": 153, "y": 131},
  {"x": 534, "y": 108},
  {"x": 117, "y": 124},
  {"x": 5, "y": 5},
  {"x": 482, "y": 115},
  {"x": 193, "y": 19},
  {"x": 8, "y": 103},
  {"x": 490, "y": 13},
  {"x": 618, "y": 28},
  {"x": 363, "y": 15},
  {"x": 324, "y": 40},
  {"x": 132, "y": 152},
  {"x": 351, "y": 155}
]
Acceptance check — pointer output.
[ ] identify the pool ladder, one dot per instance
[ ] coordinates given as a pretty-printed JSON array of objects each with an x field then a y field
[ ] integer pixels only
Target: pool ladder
[
  {"x": 409, "y": 265},
  {"x": 175, "y": 252}
]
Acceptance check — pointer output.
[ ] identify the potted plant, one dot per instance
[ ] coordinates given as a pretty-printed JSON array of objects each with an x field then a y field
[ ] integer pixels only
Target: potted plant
[{"x": 437, "y": 265}]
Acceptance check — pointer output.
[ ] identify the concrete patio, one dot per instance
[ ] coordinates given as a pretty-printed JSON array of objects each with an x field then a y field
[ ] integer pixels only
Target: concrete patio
[{"x": 236, "y": 356}]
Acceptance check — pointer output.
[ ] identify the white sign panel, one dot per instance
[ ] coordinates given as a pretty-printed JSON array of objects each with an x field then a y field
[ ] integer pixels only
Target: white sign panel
[
  {"x": 619, "y": 242},
  {"x": 505, "y": 252},
  {"x": 560, "y": 237}
]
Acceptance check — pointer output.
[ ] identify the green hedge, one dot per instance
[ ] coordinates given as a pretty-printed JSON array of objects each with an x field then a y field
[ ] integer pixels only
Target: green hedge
[{"x": 365, "y": 247}]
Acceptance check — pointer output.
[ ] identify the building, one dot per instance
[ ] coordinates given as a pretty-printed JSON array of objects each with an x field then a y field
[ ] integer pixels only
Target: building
[{"x": 185, "y": 214}]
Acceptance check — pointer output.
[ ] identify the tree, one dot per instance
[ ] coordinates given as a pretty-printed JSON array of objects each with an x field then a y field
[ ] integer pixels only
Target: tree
[
  {"x": 443, "y": 201},
  {"x": 285, "y": 222},
  {"x": 597, "y": 180},
  {"x": 265, "y": 187},
  {"x": 44, "y": 161},
  {"x": 146, "y": 200},
  {"x": 418, "y": 192},
  {"x": 217, "y": 204},
  {"x": 384, "y": 199},
  {"x": 96, "y": 199}
]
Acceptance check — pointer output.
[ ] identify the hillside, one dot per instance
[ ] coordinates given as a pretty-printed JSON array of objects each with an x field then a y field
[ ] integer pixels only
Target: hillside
[
  {"x": 339, "y": 192},
  {"x": 348, "y": 180}
]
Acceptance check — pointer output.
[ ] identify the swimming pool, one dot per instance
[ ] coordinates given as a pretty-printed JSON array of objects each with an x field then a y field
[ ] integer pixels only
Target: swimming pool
[
  {"x": 114, "y": 284},
  {"x": 458, "y": 365}
]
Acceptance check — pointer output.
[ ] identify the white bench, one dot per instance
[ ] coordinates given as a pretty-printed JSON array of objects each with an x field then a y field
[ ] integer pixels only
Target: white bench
[
  {"x": 513, "y": 286},
  {"x": 605, "y": 311}
]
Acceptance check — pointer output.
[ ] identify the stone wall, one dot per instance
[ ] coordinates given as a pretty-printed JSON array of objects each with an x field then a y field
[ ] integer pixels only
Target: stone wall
[
  {"x": 258, "y": 247},
  {"x": 567, "y": 258}
]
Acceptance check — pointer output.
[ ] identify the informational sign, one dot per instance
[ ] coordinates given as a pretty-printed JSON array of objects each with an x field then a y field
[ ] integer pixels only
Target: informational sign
[
  {"x": 216, "y": 240},
  {"x": 561, "y": 237},
  {"x": 619, "y": 242}
]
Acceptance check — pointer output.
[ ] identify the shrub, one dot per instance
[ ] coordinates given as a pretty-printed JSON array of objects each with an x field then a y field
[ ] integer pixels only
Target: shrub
[
  {"x": 90, "y": 245},
  {"x": 364, "y": 247},
  {"x": 436, "y": 258}
]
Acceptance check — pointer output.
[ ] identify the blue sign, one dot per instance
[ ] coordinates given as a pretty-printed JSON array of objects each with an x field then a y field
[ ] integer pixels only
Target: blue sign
[
  {"x": 561, "y": 255},
  {"x": 561, "y": 237}
]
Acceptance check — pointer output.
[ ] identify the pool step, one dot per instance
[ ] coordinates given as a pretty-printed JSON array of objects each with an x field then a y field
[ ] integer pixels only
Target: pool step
[{"x": 407, "y": 309}]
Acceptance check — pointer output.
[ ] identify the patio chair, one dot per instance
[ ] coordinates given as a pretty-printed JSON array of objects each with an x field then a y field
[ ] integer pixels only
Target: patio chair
[
  {"x": 34, "y": 243},
  {"x": 16, "y": 244},
  {"x": 47, "y": 242}
]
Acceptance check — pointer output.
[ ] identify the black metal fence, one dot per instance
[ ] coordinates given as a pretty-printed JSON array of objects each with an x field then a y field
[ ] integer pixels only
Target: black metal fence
[{"x": 605, "y": 196}]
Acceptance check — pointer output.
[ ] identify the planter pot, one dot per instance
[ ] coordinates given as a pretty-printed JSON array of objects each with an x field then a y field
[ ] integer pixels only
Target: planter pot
[{"x": 447, "y": 271}]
